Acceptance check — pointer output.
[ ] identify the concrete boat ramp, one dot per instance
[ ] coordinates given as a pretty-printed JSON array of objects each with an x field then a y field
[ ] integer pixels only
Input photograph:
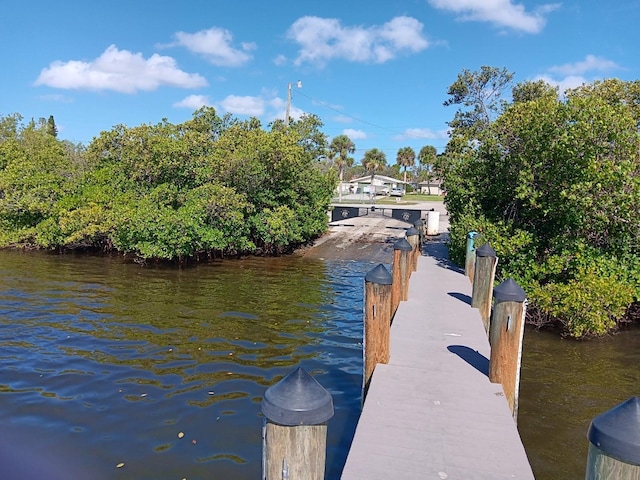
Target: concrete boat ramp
[{"x": 431, "y": 412}]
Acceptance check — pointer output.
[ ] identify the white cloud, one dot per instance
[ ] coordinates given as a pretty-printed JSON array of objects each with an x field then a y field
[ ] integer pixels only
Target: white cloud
[
  {"x": 253, "y": 106},
  {"x": 573, "y": 75},
  {"x": 564, "y": 84},
  {"x": 56, "y": 97},
  {"x": 215, "y": 45},
  {"x": 280, "y": 60},
  {"x": 354, "y": 134},
  {"x": 343, "y": 119},
  {"x": 427, "y": 133},
  {"x": 503, "y": 13},
  {"x": 118, "y": 70},
  {"x": 590, "y": 63},
  {"x": 324, "y": 39},
  {"x": 193, "y": 102}
]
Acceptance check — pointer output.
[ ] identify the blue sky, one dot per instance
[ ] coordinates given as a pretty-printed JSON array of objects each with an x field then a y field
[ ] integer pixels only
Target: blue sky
[{"x": 375, "y": 70}]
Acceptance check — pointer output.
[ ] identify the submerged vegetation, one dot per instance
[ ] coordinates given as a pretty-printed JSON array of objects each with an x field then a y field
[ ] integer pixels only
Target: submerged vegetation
[
  {"x": 552, "y": 182},
  {"x": 211, "y": 186}
]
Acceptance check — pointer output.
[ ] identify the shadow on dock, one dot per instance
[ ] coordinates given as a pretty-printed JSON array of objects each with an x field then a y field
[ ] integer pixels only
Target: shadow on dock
[{"x": 472, "y": 357}]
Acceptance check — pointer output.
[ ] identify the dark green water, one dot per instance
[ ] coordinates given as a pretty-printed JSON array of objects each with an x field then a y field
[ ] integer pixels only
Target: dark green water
[
  {"x": 564, "y": 385},
  {"x": 106, "y": 363}
]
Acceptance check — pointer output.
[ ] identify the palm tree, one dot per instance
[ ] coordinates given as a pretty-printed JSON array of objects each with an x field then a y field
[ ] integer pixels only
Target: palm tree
[
  {"x": 339, "y": 149},
  {"x": 427, "y": 158},
  {"x": 373, "y": 161},
  {"x": 406, "y": 158}
]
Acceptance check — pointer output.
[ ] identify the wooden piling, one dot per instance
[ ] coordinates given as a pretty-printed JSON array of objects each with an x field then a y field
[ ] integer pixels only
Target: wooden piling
[
  {"x": 470, "y": 259},
  {"x": 294, "y": 434},
  {"x": 377, "y": 319},
  {"x": 485, "y": 272},
  {"x": 401, "y": 270},
  {"x": 414, "y": 240},
  {"x": 614, "y": 443},
  {"x": 505, "y": 337}
]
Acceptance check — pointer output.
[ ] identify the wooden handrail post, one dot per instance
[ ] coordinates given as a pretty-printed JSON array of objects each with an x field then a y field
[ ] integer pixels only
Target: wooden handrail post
[
  {"x": 485, "y": 272},
  {"x": 419, "y": 226},
  {"x": 507, "y": 330},
  {"x": 413, "y": 238},
  {"x": 377, "y": 319},
  {"x": 402, "y": 268},
  {"x": 294, "y": 434},
  {"x": 614, "y": 443},
  {"x": 470, "y": 259},
  {"x": 399, "y": 273}
]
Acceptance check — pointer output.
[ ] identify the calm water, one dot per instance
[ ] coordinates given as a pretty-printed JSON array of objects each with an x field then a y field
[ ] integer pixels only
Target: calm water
[
  {"x": 564, "y": 385},
  {"x": 106, "y": 363}
]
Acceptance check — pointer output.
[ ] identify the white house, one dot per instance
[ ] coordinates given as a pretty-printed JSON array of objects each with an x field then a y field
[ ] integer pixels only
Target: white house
[
  {"x": 431, "y": 187},
  {"x": 381, "y": 184}
]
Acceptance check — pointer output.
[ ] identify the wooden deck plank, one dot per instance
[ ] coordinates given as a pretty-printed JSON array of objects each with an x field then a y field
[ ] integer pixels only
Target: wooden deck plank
[{"x": 432, "y": 412}]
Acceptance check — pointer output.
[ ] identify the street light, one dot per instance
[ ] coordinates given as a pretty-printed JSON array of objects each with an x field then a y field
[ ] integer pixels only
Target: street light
[{"x": 286, "y": 114}]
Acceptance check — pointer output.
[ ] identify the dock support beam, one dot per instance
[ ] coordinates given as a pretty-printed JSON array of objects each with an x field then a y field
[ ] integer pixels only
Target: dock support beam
[
  {"x": 507, "y": 330},
  {"x": 294, "y": 434},
  {"x": 413, "y": 238},
  {"x": 485, "y": 272},
  {"x": 401, "y": 272},
  {"x": 470, "y": 259},
  {"x": 377, "y": 319},
  {"x": 614, "y": 443}
]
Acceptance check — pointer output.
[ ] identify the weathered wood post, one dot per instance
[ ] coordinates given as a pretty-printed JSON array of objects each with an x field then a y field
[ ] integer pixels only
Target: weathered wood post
[
  {"x": 419, "y": 225},
  {"x": 485, "y": 272},
  {"x": 294, "y": 435},
  {"x": 614, "y": 443},
  {"x": 505, "y": 337},
  {"x": 377, "y": 319},
  {"x": 470, "y": 259},
  {"x": 400, "y": 272},
  {"x": 414, "y": 241}
]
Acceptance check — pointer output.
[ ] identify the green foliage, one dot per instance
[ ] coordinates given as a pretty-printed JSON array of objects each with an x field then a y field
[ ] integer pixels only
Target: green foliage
[
  {"x": 553, "y": 184},
  {"x": 210, "y": 186}
]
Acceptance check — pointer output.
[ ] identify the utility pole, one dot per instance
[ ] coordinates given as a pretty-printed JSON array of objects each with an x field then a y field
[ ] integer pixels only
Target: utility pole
[{"x": 286, "y": 114}]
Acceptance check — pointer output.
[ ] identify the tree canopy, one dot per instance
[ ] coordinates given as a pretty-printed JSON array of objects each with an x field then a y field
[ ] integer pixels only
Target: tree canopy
[
  {"x": 210, "y": 186},
  {"x": 553, "y": 183}
]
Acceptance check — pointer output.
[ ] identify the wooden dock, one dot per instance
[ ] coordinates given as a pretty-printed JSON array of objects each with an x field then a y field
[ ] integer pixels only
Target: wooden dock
[{"x": 431, "y": 412}]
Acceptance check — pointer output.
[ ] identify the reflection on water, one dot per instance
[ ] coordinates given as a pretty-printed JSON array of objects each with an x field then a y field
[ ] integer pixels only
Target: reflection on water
[
  {"x": 107, "y": 363},
  {"x": 564, "y": 385}
]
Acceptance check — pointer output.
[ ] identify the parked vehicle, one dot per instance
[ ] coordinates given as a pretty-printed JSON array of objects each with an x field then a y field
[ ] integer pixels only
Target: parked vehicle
[{"x": 397, "y": 192}]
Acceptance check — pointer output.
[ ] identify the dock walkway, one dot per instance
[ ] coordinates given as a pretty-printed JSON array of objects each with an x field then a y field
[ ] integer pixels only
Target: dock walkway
[{"x": 431, "y": 412}]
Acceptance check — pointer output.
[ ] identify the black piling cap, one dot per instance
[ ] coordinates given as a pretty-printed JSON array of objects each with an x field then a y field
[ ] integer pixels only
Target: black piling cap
[
  {"x": 297, "y": 399},
  {"x": 402, "y": 245},
  {"x": 485, "y": 251},
  {"x": 617, "y": 432},
  {"x": 412, "y": 231},
  {"x": 379, "y": 275},
  {"x": 509, "y": 291}
]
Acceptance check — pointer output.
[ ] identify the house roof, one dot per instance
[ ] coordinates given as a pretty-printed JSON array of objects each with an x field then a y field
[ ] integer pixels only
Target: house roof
[
  {"x": 435, "y": 181},
  {"x": 385, "y": 179}
]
